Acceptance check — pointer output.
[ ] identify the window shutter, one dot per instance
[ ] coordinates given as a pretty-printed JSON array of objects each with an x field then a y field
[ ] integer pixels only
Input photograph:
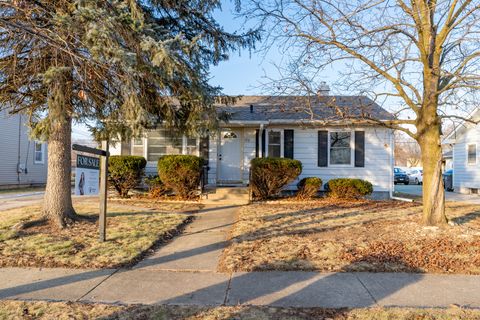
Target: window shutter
[
  {"x": 323, "y": 148},
  {"x": 359, "y": 148},
  {"x": 257, "y": 143},
  {"x": 263, "y": 143},
  {"x": 204, "y": 146},
  {"x": 288, "y": 143}
]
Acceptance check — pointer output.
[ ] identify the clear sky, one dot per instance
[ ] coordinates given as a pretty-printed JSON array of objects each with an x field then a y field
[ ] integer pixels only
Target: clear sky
[{"x": 244, "y": 72}]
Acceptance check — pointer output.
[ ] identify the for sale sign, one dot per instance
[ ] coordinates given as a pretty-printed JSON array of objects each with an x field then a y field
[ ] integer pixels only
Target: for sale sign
[{"x": 87, "y": 175}]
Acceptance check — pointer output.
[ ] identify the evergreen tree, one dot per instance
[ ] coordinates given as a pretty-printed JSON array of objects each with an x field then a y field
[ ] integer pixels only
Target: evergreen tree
[{"x": 120, "y": 64}]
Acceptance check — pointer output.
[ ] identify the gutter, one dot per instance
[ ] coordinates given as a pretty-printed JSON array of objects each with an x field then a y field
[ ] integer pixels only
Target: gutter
[
  {"x": 392, "y": 165},
  {"x": 298, "y": 122}
]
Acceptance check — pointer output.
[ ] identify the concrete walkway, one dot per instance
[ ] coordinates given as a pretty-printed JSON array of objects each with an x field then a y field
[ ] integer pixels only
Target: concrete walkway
[{"x": 184, "y": 272}]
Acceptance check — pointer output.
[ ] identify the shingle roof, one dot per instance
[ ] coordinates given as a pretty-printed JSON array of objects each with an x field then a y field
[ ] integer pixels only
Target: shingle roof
[{"x": 297, "y": 108}]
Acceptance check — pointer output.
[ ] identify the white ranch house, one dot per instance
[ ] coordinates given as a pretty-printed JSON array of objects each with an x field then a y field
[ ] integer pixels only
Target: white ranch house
[
  {"x": 328, "y": 145},
  {"x": 466, "y": 155}
]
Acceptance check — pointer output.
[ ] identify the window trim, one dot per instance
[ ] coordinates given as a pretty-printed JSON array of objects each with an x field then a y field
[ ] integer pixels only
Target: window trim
[
  {"x": 352, "y": 149},
  {"x": 267, "y": 133},
  {"x": 184, "y": 140},
  {"x": 42, "y": 145},
  {"x": 476, "y": 154},
  {"x": 267, "y": 140}
]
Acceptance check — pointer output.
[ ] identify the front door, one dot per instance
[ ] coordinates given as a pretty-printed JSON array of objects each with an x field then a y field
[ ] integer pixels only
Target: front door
[{"x": 230, "y": 156}]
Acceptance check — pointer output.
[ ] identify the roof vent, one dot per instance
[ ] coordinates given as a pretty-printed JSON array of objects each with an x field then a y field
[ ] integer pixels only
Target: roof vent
[
  {"x": 323, "y": 89},
  {"x": 251, "y": 108}
]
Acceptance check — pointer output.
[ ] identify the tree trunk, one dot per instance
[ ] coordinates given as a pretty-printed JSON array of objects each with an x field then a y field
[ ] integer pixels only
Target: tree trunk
[
  {"x": 433, "y": 190},
  {"x": 58, "y": 206}
]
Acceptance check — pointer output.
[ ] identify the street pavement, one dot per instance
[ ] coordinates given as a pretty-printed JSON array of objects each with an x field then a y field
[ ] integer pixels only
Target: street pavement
[{"x": 416, "y": 190}]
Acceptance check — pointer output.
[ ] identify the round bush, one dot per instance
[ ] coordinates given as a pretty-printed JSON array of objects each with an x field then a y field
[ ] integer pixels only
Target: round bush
[
  {"x": 181, "y": 173},
  {"x": 270, "y": 175},
  {"x": 308, "y": 187},
  {"x": 345, "y": 188},
  {"x": 156, "y": 188},
  {"x": 125, "y": 172}
]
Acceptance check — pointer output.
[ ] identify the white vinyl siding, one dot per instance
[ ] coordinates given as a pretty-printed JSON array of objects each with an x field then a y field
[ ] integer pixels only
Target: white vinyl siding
[
  {"x": 466, "y": 176},
  {"x": 15, "y": 142},
  {"x": 377, "y": 170}
]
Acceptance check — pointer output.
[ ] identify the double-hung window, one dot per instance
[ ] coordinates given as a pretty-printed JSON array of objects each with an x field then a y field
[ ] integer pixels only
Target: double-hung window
[
  {"x": 39, "y": 152},
  {"x": 472, "y": 154},
  {"x": 340, "y": 148},
  {"x": 275, "y": 144}
]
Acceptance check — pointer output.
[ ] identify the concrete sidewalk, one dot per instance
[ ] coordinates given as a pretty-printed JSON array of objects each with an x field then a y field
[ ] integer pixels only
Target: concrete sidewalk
[
  {"x": 287, "y": 289},
  {"x": 184, "y": 272}
]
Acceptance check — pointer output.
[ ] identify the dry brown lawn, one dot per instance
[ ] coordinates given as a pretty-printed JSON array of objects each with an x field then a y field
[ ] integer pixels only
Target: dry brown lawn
[
  {"x": 376, "y": 236},
  {"x": 131, "y": 233},
  {"x": 58, "y": 310}
]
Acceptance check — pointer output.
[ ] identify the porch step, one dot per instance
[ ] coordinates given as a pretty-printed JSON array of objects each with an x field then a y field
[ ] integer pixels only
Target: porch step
[{"x": 227, "y": 196}]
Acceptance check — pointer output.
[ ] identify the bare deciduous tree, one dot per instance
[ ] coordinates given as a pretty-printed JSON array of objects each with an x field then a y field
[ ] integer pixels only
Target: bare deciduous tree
[
  {"x": 407, "y": 151},
  {"x": 422, "y": 55}
]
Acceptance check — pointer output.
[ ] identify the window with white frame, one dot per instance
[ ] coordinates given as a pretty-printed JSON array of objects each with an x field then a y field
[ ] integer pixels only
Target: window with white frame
[
  {"x": 340, "y": 148},
  {"x": 137, "y": 147},
  {"x": 274, "y": 144},
  {"x": 39, "y": 152},
  {"x": 472, "y": 154},
  {"x": 191, "y": 146},
  {"x": 164, "y": 142}
]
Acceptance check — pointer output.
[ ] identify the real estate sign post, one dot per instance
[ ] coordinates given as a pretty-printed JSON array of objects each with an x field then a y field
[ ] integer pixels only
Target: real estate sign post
[{"x": 99, "y": 165}]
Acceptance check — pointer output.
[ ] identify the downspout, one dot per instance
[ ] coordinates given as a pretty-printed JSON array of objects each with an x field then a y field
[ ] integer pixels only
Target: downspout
[
  {"x": 19, "y": 140},
  {"x": 260, "y": 133},
  {"x": 392, "y": 163}
]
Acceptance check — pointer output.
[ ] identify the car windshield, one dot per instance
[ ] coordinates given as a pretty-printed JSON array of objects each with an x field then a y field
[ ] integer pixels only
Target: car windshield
[{"x": 398, "y": 170}]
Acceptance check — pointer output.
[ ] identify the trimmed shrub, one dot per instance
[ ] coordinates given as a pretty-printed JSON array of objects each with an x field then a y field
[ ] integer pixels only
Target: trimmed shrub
[
  {"x": 125, "y": 172},
  {"x": 270, "y": 175},
  {"x": 156, "y": 188},
  {"x": 345, "y": 188},
  {"x": 308, "y": 187},
  {"x": 181, "y": 173}
]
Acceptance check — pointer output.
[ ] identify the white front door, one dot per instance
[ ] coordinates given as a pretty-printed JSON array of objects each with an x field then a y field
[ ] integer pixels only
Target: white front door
[{"x": 230, "y": 156}]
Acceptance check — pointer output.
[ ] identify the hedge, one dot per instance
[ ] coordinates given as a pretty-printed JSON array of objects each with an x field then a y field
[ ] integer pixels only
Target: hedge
[
  {"x": 181, "y": 173},
  {"x": 125, "y": 172},
  {"x": 156, "y": 188},
  {"x": 308, "y": 187},
  {"x": 270, "y": 175},
  {"x": 346, "y": 188}
]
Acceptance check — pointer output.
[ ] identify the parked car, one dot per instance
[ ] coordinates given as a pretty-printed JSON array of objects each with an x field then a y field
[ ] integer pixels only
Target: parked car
[
  {"x": 448, "y": 180},
  {"x": 415, "y": 175},
  {"x": 400, "y": 176}
]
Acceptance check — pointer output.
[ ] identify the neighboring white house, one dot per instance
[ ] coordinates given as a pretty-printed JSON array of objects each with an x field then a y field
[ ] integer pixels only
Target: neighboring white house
[
  {"x": 329, "y": 137},
  {"x": 23, "y": 162},
  {"x": 466, "y": 155}
]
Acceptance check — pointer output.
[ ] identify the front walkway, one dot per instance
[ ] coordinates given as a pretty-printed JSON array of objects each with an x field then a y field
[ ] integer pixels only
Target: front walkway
[{"x": 184, "y": 272}]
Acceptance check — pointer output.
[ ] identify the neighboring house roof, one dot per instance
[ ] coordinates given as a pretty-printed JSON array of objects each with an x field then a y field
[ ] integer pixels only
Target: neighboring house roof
[
  {"x": 460, "y": 129},
  {"x": 303, "y": 109}
]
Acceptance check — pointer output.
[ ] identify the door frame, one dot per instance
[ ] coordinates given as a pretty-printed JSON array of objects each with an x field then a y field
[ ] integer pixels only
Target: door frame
[{"x": 240, "y": 131}]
